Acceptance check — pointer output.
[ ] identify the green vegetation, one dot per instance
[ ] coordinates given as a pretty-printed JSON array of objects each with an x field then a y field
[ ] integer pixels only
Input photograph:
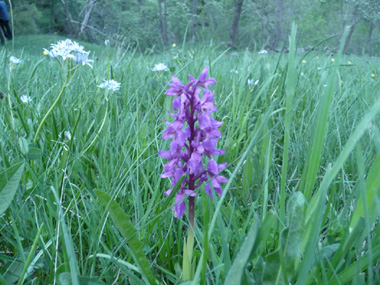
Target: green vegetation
[
  {"x": 260, "y": 24},
  {"x": 81, "y": 201}
]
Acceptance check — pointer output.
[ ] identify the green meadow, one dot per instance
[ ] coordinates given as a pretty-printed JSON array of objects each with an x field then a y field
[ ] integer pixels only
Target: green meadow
[{"x": 82, "y": 202}]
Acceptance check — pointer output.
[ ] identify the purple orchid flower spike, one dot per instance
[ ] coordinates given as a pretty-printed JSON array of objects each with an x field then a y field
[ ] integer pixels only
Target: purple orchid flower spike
[{"x": 194, "y": 135}]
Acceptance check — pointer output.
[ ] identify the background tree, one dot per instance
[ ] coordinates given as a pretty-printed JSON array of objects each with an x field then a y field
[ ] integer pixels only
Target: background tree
[
  {"x": 235, "y": 23},
  {"x": 255, "y": 24}
]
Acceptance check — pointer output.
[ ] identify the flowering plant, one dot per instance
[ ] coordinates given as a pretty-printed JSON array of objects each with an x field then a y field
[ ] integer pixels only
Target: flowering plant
[
  {"x": 66, "y": 49},
  {"x": 194, "y": 135}
]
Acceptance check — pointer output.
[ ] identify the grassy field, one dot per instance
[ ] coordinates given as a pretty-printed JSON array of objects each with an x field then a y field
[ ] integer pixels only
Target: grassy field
[{"x": 82, "y": 202}]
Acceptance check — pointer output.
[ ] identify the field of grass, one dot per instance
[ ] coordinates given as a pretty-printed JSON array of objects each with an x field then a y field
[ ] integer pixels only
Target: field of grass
[{"x": 82, "y": 202}]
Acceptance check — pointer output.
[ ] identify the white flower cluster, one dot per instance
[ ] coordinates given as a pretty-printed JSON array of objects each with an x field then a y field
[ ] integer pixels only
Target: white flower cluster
[
  {"x": 14, "y": 60},
  {"x": 69, "y": 49},
  {"x": 160, "y": 67},
  {"x": 110, "y": 85}
]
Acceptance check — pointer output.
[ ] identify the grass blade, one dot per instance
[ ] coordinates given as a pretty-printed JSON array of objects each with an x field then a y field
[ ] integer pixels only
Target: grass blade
[
  {"x": 29, "y": 259},
  {"x": 69, "y": 245},
  {"x": 372, "y": 194},
  {"x": 290, "y": 86},
  {"x": 127, "y": 229},
  {"x": 235, "y": 274}
]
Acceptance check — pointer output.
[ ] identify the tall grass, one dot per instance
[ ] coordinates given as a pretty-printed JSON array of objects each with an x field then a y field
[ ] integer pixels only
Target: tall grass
[{"x": 302, "y": 201}]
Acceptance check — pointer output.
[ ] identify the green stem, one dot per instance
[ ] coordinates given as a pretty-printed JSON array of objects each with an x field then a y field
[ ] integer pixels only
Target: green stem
[
  {"x": 188, "y": 255},
  {"x": 30, "y": 256},
  {"x": 51, "y": 108},
  {"x": 100, "y": 129},
  {"x": 9, "y": 97}
]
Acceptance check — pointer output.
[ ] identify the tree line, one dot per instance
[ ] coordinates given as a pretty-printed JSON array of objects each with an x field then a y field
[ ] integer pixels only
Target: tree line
[{"x": 253, "y": 24}]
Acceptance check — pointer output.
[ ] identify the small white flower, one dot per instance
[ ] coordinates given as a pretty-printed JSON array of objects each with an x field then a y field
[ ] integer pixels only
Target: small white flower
[
  {"x": 264, "y": 51},
  {"x": 67, "y": 135},
  {"x": 110, "y": 85},
  {"x": 234, "y": 71},
  {"x": 14, "y": 60},
  {"x": 107, "y": 42},
  {"x": 250, "y": 82},
  {"x": 25, "y": 99},
  {"x": 82, "y": 58},
  {"x": 319, "y": 68},
  {"x": 50, "y": 53},
  {"x": 160, "y": 67}
]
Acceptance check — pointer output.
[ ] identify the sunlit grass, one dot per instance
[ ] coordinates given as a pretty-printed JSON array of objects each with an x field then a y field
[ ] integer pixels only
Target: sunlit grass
[{"x": 310, "y": 242}]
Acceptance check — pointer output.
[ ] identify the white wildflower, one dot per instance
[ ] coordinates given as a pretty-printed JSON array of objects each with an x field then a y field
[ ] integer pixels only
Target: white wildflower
[
  {"x": 234, "y": 71},
  {"x": 110, "y": 85},
  {"x": 25, "y": 99},
  {"x": 264, "y": 51},
  {"x": 250, "y": 82},
  {"x": 14, "y": 60},
  {"x": 82, "y": 58},
  {"x": 67, "y": 135},
  {"x": 107, "y": 42},
  {"x": 160, "y": 67}
]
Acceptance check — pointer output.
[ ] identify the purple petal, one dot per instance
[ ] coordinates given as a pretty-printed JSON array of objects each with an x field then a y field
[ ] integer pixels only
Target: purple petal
[
  {"x": 173, "y": 92},
  {"x": 195, "y": 163},
  {"x": 210, "y": 81},
  {"x": 208, "y": 95},
  {"x": 165, "y": 154},
  {"x": 221, "y": 179},
  {"x": 208, "y": 190},
  {"x": 203, "y": 75},
  {"x": 176, "y": 81},
  {"x": 191, "y": 193},
  {"x": 212, "y": 167},
  {"x": 216, "y": 187},
  {"x": 180, "y": 206},
  {"x": 221, "y": 166},
  {"x": 176, "y": 103}
]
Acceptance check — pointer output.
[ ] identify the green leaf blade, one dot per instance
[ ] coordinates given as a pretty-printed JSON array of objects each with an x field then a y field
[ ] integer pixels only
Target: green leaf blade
[
  {"x": 9, "y": 182},
  {"x": 127, "y": 229}
]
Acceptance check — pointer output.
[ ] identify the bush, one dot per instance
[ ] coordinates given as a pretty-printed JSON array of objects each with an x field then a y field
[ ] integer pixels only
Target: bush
[{"x": 26, "y": 18}]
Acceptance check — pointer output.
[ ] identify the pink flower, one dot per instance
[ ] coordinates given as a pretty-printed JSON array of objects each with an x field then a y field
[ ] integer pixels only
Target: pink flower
[{"x": 194, "y": 135}]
